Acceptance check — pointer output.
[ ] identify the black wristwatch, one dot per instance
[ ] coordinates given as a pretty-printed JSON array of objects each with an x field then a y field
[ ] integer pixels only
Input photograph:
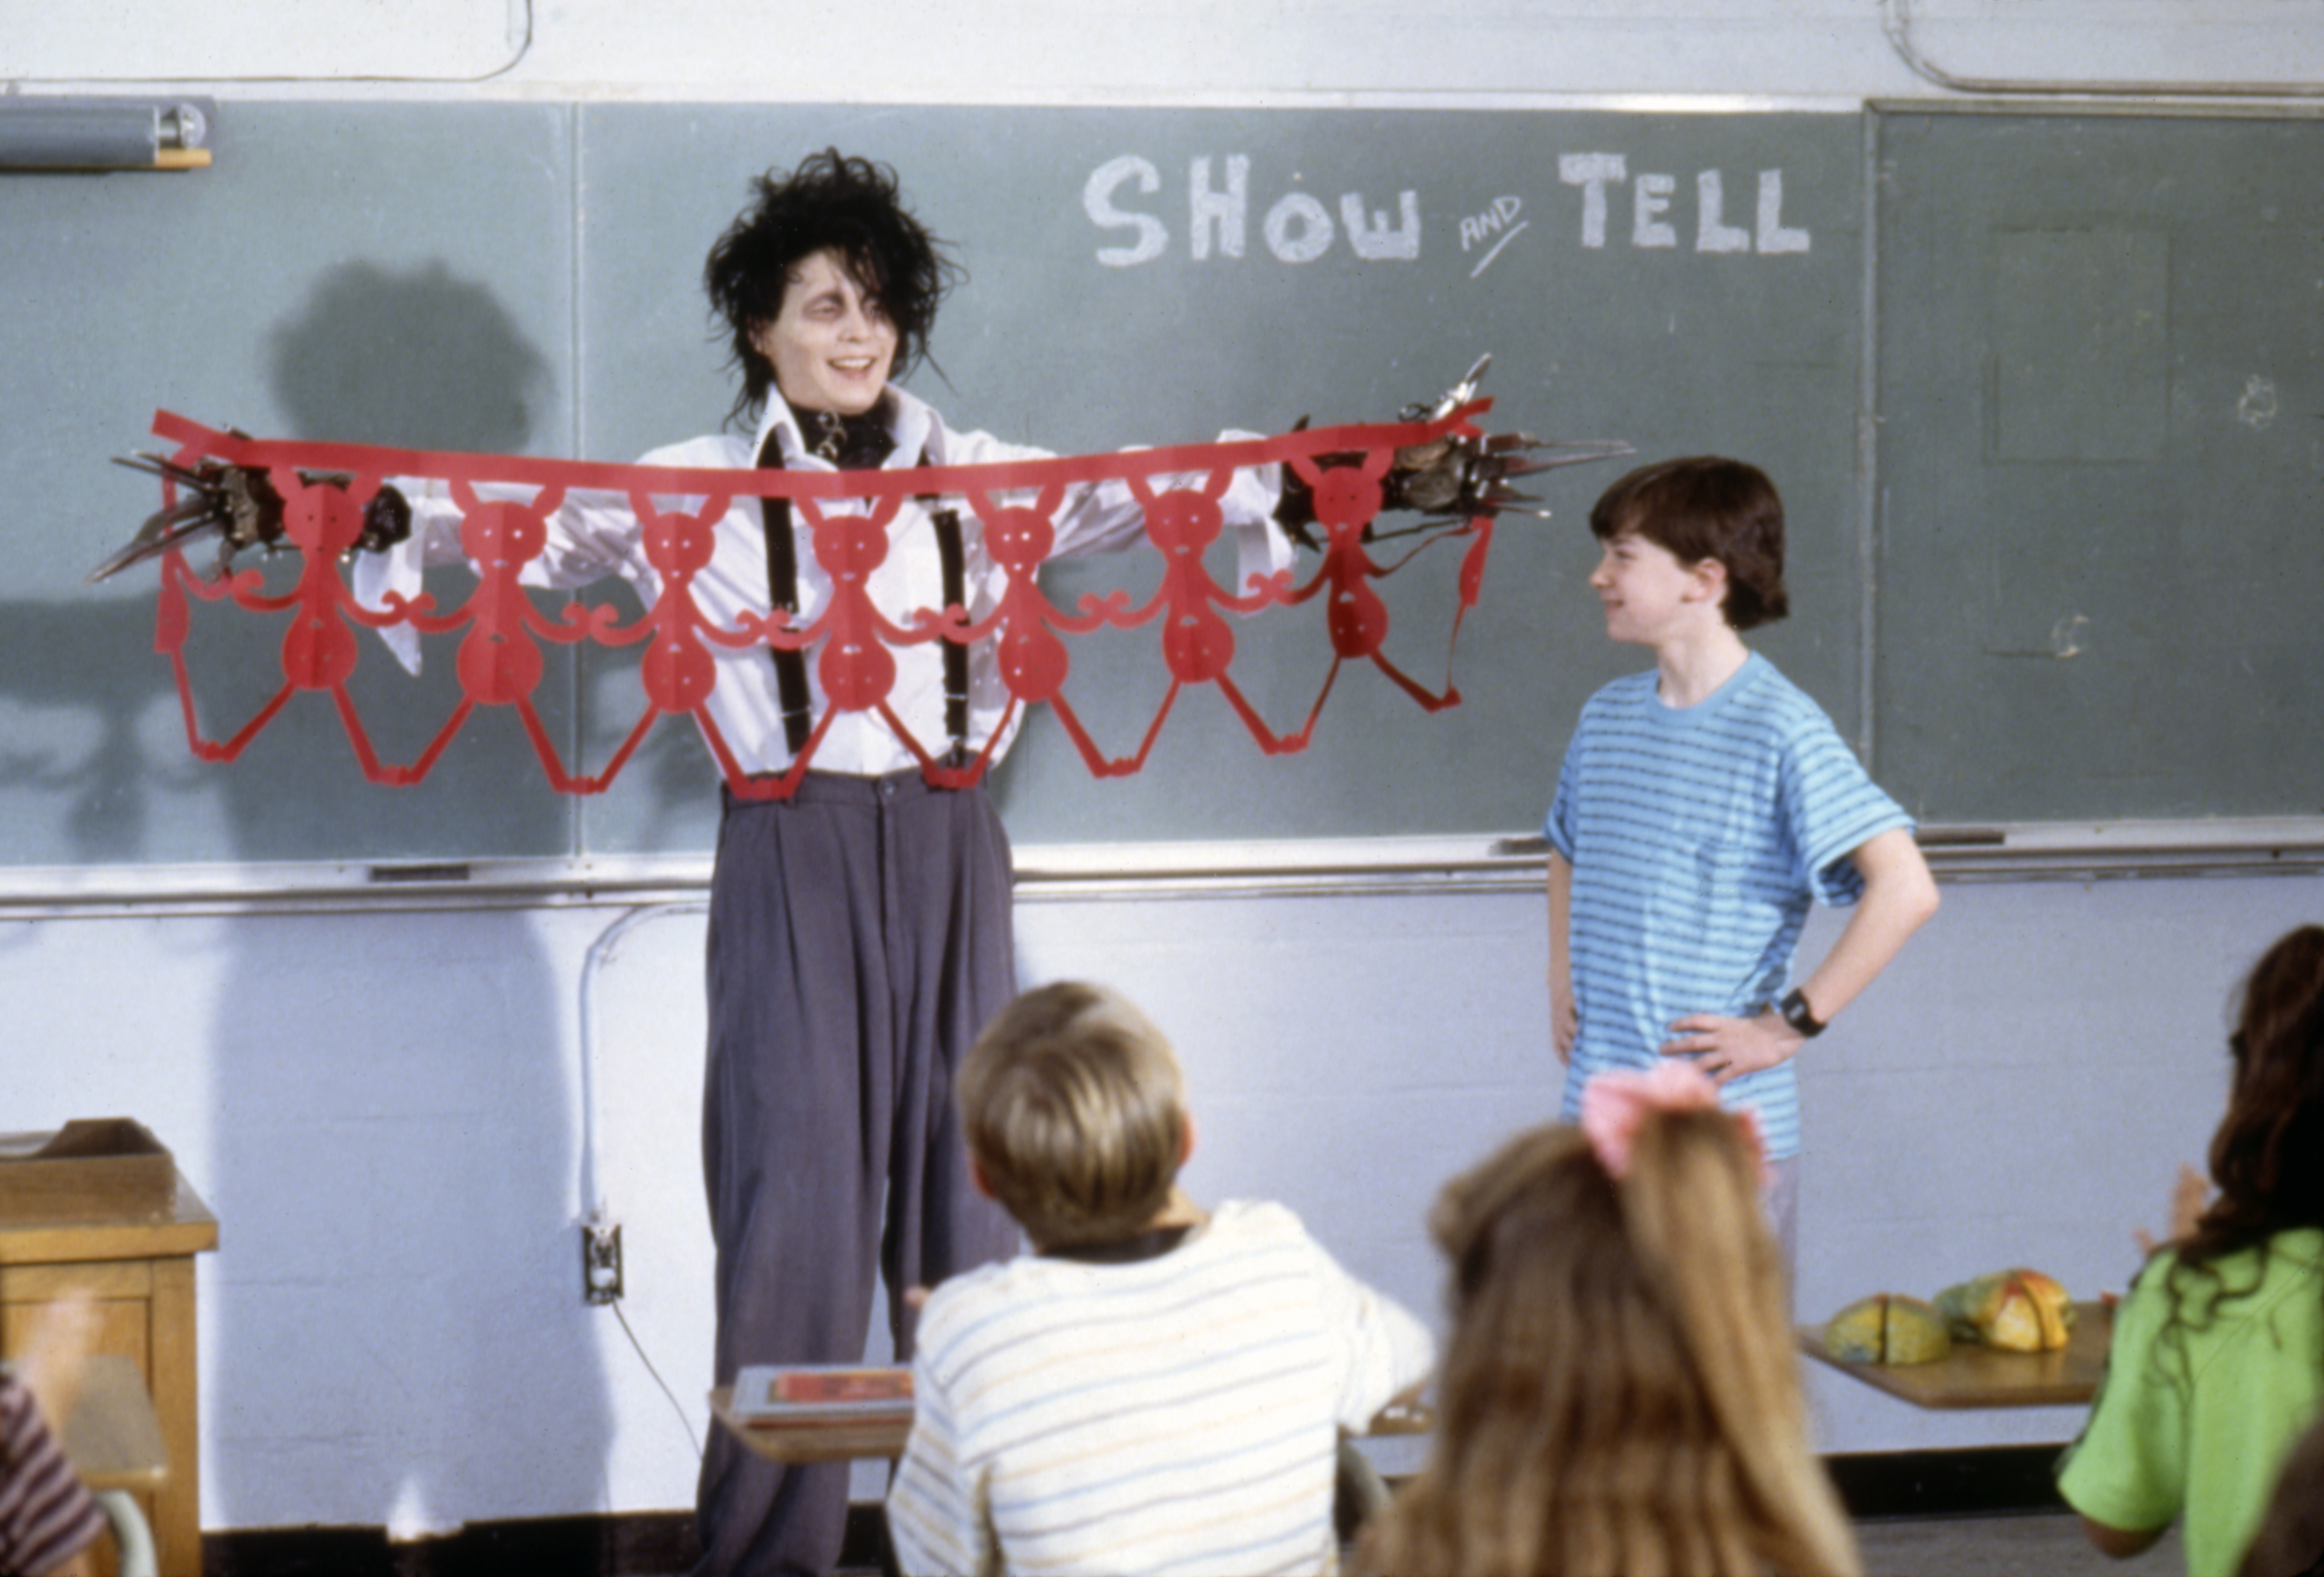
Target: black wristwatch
[{"x": 1794, "y": 1009}]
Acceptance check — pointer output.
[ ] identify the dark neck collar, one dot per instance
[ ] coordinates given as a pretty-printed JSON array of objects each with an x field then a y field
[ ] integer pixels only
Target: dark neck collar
[
  {"x": 1146, "y": 1245},
  {"x": 852, "y": 443}
]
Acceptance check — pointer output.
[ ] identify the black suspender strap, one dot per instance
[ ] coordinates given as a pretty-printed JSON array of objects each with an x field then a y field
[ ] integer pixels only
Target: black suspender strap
[
  {"x": 956, "y": 595},
  {"x": 792, "y": 692}
]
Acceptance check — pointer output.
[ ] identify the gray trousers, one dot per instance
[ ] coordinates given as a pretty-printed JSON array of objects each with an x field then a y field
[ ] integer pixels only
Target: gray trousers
[{"x": 859, "y": 937}]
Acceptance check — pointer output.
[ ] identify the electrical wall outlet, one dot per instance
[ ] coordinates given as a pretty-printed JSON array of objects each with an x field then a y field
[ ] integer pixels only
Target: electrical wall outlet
[{"x": 601, "y": 1262}]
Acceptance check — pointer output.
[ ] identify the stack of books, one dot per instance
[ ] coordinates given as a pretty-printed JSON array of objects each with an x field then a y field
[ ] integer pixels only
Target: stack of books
[{"x": 770, "y": 1394}]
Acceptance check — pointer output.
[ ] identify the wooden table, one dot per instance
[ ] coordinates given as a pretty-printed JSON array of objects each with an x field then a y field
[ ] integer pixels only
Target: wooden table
[
  {"x": 1987, "y": 1377},
  {"x": 883, "y": 1433},
  {"x": 114, "y": 1437},
  {"x": 134, "y": 1255},
  {"x": 115, "y": 1442}
]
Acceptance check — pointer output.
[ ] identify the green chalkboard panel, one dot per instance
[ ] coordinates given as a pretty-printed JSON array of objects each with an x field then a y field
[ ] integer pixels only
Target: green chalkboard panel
[{"x": 2101, "y": 466}]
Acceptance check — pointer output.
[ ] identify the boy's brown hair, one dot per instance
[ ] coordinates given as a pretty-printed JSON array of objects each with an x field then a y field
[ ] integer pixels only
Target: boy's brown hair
[
  {"x": 1074, "y": 1109},
  {"x": 1706, "y": 507}
]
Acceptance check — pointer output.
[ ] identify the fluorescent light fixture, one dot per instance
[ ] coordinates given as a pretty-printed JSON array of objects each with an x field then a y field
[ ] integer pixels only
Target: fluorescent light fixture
[{"x": 105, "y": 134}]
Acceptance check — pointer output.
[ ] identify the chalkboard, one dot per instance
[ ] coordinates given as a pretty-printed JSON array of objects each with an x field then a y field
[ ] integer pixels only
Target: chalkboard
[
  {"x": 2096, "y": 343},
  {"x": 386, "y": 273},
  {"x": 525, "y": 279},
  {"x": 2101, "y": 466}
]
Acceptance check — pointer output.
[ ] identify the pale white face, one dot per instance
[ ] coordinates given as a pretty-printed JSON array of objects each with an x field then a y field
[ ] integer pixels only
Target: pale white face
[
  {"x": 830, "y": 345},
  {"x": 1651, "y": 598}
]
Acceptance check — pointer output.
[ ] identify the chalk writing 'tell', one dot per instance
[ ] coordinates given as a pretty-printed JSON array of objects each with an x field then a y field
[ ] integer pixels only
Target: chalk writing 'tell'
[{"x": 1651, "y": 197}]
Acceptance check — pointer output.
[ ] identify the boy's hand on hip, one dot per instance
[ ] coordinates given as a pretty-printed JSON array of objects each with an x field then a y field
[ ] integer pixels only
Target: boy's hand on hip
[{"x": 1728, "y": 1048}]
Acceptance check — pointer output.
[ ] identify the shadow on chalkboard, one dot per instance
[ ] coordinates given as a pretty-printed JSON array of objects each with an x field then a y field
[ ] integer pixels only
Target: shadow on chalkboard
[
  {"x": 418, "y": 360},
  {"x": 64, "y": 659},
  {"x": 415, "y": 358}
]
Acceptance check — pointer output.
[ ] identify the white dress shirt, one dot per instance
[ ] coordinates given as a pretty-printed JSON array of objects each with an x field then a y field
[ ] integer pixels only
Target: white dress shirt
[{"x": 595, "y": 534}]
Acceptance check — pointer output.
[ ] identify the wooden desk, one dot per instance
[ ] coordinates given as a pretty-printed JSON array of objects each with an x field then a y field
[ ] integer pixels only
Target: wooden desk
[
  {"x": 820, "y": 1441},
  {"x": 1987, "y": 1377},
  {"x": 113, "y": 1438},
  {"x": 115, "y": 1442},
  {"x": 138, "y": 1265},
  {"x": 883, "y": 1436}
]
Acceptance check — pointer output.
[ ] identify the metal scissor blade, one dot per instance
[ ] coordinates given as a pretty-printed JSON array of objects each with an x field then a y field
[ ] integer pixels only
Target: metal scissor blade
[
  {"x": 1462, "y": 392},
  {"x": 168, "y": 470},
  {"x": 1580, "y": 452},
  {"x": 1452, "y": 399},
  {"x": 161, "y": 531}
]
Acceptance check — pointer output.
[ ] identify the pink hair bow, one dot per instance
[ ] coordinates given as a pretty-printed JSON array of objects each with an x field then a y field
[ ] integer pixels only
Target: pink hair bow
[{"x": 1613, "y": 1105}]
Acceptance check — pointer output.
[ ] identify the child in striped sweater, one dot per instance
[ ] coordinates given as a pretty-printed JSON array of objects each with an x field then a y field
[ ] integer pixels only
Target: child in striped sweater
[
  {"x": 1157, "y": 1388},
  {"x": 50, "y": 1525}
]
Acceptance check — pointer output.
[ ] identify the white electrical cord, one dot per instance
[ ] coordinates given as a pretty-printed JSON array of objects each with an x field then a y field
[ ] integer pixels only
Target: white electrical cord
[{"x": 596, "y": 1211}]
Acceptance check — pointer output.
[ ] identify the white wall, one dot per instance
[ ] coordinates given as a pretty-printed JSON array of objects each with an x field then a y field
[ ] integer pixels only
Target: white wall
[
  {"x": 384, "y": 1112},
  {"x": 1240, "y": 51},
  {"x": 385, "y": 1109}
]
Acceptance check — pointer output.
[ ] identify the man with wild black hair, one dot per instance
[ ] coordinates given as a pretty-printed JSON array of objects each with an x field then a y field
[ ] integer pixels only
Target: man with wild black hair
[{"x": 860, "y": 930}]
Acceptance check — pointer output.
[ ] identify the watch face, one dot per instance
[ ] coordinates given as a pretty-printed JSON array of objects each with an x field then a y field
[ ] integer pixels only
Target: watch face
[{"x": 1797, "y": 1014}]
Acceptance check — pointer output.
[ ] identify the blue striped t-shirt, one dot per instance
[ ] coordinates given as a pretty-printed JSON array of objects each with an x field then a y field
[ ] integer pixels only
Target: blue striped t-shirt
[{"x": 1698, "y": 837}]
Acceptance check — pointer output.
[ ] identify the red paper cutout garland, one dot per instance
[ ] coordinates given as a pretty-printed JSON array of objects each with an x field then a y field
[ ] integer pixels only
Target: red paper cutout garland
[{"x": 500, "y": 661}]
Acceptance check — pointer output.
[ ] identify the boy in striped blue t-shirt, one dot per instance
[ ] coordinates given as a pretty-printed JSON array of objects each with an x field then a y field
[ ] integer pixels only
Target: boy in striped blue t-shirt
[{"x": 1702, "y": 805}]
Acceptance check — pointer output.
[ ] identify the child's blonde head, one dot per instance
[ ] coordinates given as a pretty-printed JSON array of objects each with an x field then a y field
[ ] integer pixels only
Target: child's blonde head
[
  {"x": 1074, "y": 1111},
  {"x": 1618, "y": 1394}
]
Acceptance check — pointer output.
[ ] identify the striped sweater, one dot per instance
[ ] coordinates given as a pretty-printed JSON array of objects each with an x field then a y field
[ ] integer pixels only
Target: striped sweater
[
  {"x": 46, "y": 1517},
  {"x": 1174, "y": 1415}
]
